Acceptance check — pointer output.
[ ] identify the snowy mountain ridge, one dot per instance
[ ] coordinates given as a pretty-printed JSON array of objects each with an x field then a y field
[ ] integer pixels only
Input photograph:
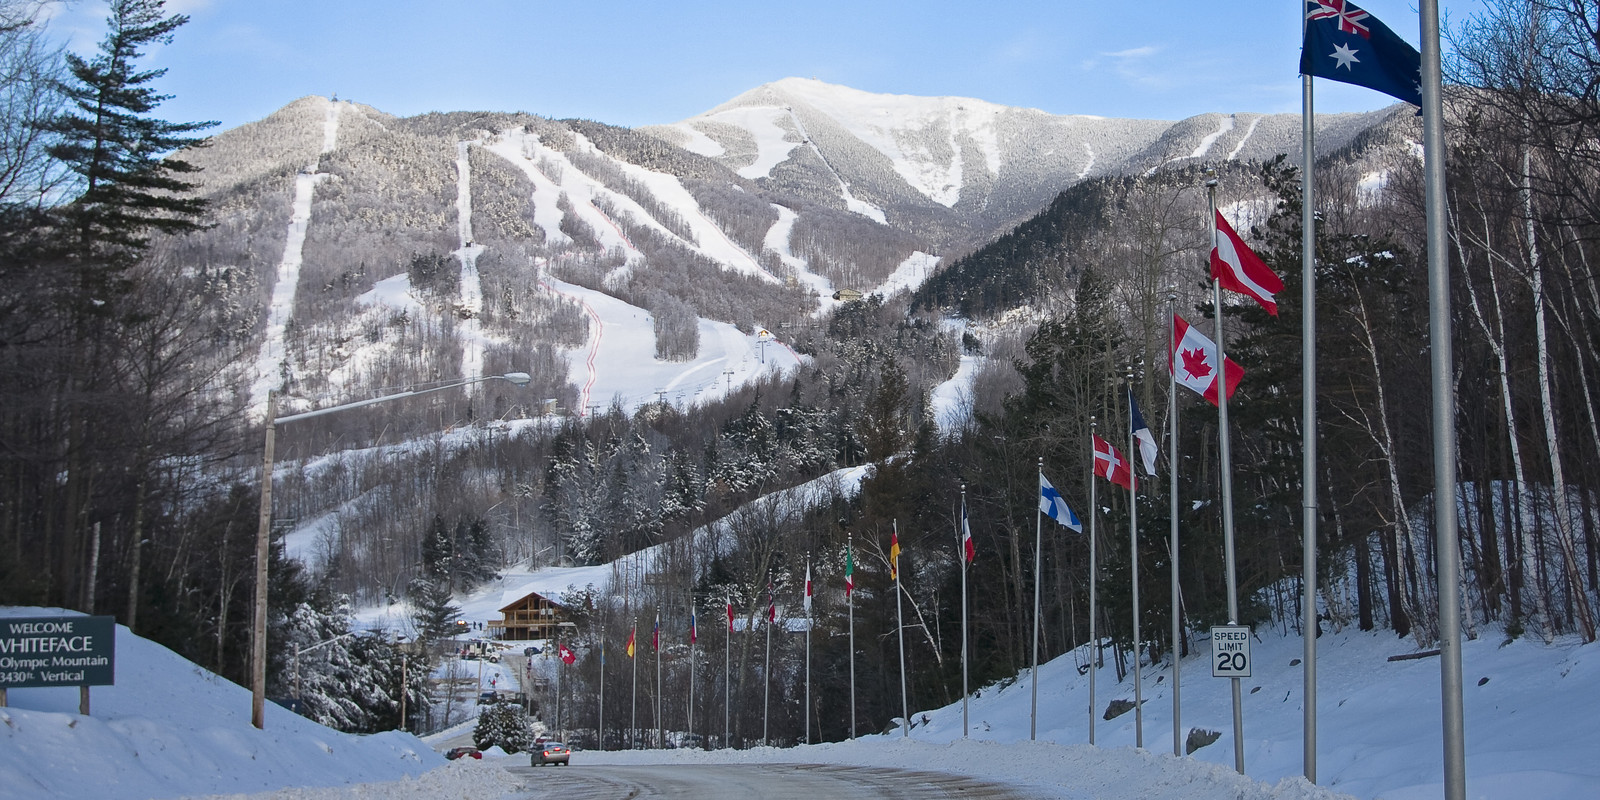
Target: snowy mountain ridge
[{"x": 905, "y": 155}]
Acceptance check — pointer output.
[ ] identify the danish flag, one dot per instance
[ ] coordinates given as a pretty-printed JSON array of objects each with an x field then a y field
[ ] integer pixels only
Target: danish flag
[
  {"x": 1348, "y": 15},
  {"x": 1109, "y": 464}
]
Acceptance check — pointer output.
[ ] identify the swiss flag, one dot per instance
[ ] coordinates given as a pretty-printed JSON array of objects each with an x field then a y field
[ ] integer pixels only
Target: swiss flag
[
  {"x": 1193, "y": 361},
  {"x": 1239, "y": 269},
  {"x": 567, "y": 656},
  {"x": 1109, "y": 464}
]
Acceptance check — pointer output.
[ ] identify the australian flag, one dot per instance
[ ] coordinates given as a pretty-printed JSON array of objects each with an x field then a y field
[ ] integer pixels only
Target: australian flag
[{"x": 1346, "y": 44}]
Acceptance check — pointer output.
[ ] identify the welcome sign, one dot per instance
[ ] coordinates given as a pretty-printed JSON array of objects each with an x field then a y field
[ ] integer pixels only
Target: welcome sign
[{"x": 57, "y": 651}]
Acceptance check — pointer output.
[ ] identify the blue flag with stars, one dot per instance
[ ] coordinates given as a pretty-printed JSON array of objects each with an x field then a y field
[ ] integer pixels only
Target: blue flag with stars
[
  {"x": 1346, "y": 44},
  {"x": 1052, "y": 504}
]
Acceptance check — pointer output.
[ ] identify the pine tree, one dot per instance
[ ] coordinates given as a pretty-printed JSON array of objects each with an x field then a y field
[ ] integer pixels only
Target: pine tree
[
  {"x": 436, "y": 614},
  {"x": 505, "y": 725},
  {"x": 118, "y": 152}
]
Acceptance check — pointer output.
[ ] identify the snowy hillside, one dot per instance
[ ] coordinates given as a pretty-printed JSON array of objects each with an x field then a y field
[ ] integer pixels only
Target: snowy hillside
[{"x": 171, "y": 728}]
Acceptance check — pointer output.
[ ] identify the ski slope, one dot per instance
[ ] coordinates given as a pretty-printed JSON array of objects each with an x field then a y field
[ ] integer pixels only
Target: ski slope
[
  {"x": 618, "y": 362},
  {"x": 280, "y": 308}
]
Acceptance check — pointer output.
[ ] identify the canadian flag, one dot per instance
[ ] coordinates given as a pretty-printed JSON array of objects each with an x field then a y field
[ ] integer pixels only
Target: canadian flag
[
  {"x": 1193, "y": 361},
  {"x": 1239, "y": 269},
  {"x": 1109, "y": 464}
]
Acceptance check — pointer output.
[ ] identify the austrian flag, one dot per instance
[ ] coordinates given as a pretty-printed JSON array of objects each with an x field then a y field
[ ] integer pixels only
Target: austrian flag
[
  {"x": 1239, "y": 269},
  {"x": 1193, "y": 361}
]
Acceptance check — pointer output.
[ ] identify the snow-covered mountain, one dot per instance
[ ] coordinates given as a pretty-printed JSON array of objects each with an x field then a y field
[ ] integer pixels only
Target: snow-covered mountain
[
  {"x": 371, "y": 250},
  {"x": 959, "y": 167}
]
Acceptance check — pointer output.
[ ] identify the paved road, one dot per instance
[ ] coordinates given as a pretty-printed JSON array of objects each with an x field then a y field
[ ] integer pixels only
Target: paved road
[{"x": 753, "y": 782}]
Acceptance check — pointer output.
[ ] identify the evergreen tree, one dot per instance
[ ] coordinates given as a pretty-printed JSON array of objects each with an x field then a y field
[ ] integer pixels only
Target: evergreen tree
[
  {"x": 119, "y": 152},
  {"x": 436, "y": 614},
  {"x": 505, "y": 725}
]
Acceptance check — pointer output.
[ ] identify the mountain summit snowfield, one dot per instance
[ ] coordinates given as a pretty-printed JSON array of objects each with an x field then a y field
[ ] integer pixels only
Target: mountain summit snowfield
[{"x": 169, "y": 728}]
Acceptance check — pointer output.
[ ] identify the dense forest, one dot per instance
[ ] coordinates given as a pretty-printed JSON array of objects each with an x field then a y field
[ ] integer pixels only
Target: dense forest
[{"x": 131, "y": 461}]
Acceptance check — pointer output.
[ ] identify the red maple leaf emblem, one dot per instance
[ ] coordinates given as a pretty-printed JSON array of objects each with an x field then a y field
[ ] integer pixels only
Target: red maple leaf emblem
[{"x": 1194, "y": 363}]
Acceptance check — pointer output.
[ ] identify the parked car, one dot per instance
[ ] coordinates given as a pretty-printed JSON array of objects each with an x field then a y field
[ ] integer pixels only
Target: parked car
[
  {"x": 530, "y": 651},
  {"x": 551, "y": 753},
  {"x": 463, "y": 752},
  {"x": 488, "y": 698}
]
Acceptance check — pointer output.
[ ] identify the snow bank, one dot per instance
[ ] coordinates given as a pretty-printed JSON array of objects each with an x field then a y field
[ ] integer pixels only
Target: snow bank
[{"x": 171, "y": 728}]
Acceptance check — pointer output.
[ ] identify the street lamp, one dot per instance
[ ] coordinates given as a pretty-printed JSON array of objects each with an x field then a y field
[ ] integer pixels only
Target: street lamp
[{"x": 258, "y": 630}]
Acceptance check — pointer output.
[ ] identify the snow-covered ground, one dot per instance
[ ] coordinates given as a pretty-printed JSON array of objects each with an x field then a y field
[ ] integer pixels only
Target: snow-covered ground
[
  {"x": 169, "y": 728},
  {"x": 618, "y": 362}
]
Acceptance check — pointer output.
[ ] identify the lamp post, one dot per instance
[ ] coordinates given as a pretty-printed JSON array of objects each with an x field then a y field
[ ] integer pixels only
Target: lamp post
[
  {"x": 258, "y": 631},
  {"x": 318, "y": 646}
]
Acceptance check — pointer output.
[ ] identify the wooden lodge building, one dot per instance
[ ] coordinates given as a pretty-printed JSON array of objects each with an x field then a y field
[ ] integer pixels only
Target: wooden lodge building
[{"x": 533, "y": 616}]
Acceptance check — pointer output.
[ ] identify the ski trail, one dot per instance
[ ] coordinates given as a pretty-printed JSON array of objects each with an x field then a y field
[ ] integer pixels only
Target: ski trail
[
  {"x": 1247, "y": 134},
  {"x": 1212, "y": 137},
  {"x": 778, "y": 239},
  {"x": 1201, "y": 149},
  {"x": 861, "y": 207},
  {"x": 272, "y": 369},
  {"x": 471, "y": 309},
  {"x": 596, "y": 331},
  {"x": 1088, "y": 166}
]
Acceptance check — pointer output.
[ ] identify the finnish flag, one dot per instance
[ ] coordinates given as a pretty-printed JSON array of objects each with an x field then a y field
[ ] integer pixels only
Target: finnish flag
[{"x": 1051, "y": 503}]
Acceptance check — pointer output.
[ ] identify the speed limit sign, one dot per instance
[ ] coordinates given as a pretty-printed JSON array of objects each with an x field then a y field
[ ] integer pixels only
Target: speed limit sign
[{"x": 1230, "y": 651}]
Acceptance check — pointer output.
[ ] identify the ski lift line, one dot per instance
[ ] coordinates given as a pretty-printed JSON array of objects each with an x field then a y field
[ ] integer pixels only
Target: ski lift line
[{"x": 594, "y": 341}]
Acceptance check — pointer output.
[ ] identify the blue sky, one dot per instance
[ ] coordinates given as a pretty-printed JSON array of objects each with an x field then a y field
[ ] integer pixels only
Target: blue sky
[{"x": 635, "y": 63}]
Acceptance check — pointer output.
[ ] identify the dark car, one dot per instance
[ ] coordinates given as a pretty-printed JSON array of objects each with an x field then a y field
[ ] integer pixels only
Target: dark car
[
  {"x": 551, "y": 753},
  {"x": 530, "y": 651},
  {"x": 463, "y": 752}
]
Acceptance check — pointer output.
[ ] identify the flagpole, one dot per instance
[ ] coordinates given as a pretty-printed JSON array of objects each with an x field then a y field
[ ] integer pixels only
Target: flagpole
[
  {"x": 900, "y": 626},
  {"x": 1038, "y": 538},
  {"x": 810, "y": 621},
  {"x": 655, "y": 644},
  {"x": 1133, "y": 546},
  {"x": 633, "y": 708},
  {"x": 961, "y": 551},
  {"x": 693, "y": 635},
  {"x": 1172, "y": 465},
  {"x": 1094, "y": 580},
  {"x": 1308, "y": 418},
  {"x": 561, "y": 670},
  {"x": 850, "y": 607},
  {"x": 1223, "y": 451},
  {"x": 1446, "y": 541},
  {"x": 727, "y": 677},
  {"x": 766, "y": 669},
  {"x": 600, "y": 724}
]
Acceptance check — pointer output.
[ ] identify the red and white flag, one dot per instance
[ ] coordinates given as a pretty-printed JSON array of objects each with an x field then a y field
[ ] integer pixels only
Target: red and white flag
[
  {"x": 808, "y": 588},
  {"x": 966, "y": 534},
  {"x": 772, "y": 605},
  {"x": 730, "y": 615},
  {"x": 567, "y": 656},
  {"x": 1193, "y": 361},
  {"x": 1239, "y": 269},
  {"x": 1109, "y": 464}
]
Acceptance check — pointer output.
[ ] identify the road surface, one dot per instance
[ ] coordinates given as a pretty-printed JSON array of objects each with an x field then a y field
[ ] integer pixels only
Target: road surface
[{"x": 752, "y": 782}]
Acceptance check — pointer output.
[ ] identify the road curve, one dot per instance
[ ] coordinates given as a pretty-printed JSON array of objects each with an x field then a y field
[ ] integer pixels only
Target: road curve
[{"x": 753, "y": 782}]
